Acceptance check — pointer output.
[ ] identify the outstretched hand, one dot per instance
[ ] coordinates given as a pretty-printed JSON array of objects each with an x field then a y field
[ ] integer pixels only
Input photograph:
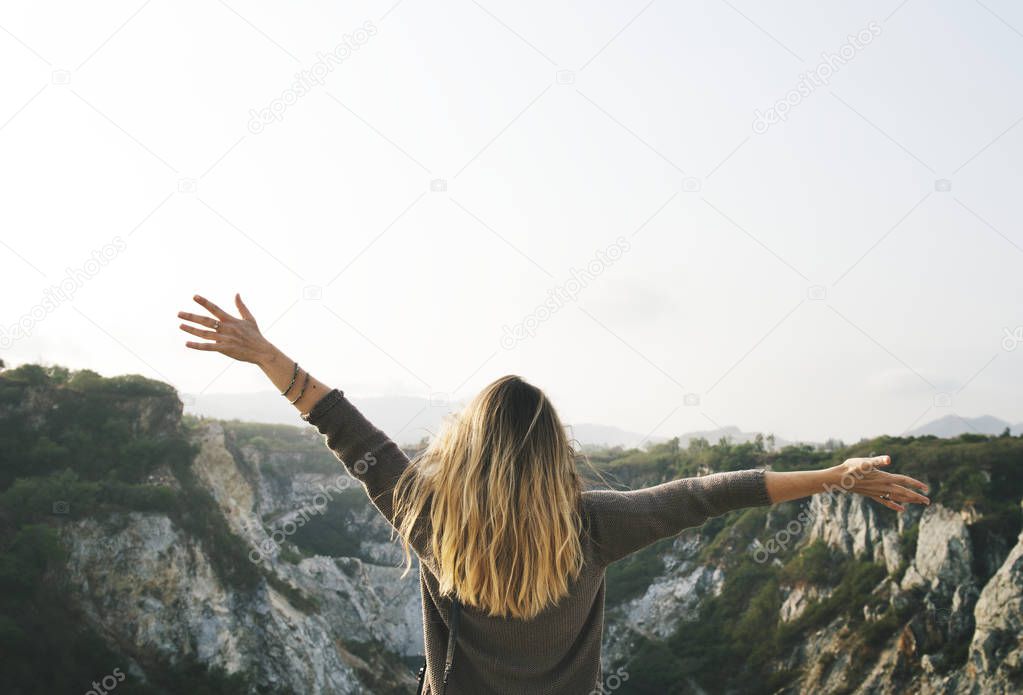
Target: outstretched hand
[
  {"x": 864, "y": 477},
  {"x": 238, "y": 338}
]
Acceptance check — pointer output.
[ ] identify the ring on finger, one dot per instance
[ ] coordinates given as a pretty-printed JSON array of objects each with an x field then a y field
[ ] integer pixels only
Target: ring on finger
[
  {"x": 216, "y": 325},
  {"x": 887, "y": 497}
]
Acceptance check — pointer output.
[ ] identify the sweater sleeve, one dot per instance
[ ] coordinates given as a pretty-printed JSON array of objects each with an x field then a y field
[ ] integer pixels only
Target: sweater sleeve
[
  {"x": 622, "y": 522},
  {"x": 368, "y": 454}
]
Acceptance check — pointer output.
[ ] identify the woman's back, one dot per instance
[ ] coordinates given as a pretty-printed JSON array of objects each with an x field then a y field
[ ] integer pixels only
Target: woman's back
[{"x": 558, "y": 649}]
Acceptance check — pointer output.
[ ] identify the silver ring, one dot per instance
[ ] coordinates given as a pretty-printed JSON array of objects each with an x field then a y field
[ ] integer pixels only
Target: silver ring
[
  {"x": 216, "y": 325},
  {"x": 886, "y": 497}
]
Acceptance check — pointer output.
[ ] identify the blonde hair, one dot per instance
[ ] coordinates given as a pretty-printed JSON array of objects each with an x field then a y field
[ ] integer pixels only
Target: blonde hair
[{"x": 498, "y": 494}]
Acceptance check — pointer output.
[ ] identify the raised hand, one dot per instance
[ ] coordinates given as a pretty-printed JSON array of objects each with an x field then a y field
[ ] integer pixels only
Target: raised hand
[
  {"x": 863, "y": 476},
  {"x": 238, "y": 338}
]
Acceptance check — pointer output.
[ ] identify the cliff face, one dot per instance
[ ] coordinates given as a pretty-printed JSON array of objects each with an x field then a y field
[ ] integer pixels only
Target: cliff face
[
  {"x": 951, "y": 630},
  {"x": 150, "y": 587},
  {"x": 996, "y": 651},
  {"x": 254, "y": 553}
]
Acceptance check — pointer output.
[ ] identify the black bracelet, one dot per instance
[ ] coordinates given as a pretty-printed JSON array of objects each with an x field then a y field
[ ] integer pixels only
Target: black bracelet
[
  {"x": 294, "y": 375},
  {"x": 301, "y": 393}
]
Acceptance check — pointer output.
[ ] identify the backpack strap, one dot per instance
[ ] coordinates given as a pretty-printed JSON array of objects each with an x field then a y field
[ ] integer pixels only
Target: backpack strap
[
  {"x": 452, "y": 638},
  {"x": 449, "y": 657},
  {"x": 422, "y": 679}
]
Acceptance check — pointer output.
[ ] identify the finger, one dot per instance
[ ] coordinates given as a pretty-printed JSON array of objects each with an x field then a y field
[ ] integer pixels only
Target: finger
[
  {"x": 866, "y": 465},
  {"x": 196, "y": 318},
  {"x": 208, "y": 335},
  {"x": 216, "y": 347},
  {"x": 908, "y": 481},
  {"x": 906, "y": 495},
  {"x": 212, "y": 308},
  {"x": 891, "y": 504},
  {"x": 242, "y": 309}
]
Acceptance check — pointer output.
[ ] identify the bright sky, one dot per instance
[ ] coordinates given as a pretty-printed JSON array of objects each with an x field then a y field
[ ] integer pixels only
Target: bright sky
[{"x": 852, "y": 269}]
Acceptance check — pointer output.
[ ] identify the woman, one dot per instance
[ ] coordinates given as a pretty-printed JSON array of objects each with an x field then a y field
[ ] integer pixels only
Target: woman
[{"x": 495, "y": 511}]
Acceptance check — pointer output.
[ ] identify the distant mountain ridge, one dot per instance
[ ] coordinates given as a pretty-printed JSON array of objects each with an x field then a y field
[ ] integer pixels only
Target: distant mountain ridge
[
  {"x": 953, "y": 425},
  {"x": 408, "y": 419}
]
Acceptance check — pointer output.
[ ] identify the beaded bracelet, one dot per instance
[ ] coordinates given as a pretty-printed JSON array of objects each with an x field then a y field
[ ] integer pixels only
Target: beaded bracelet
[
  {"x": 301, "y": 393},
  {"x": 294, "y": 375}
]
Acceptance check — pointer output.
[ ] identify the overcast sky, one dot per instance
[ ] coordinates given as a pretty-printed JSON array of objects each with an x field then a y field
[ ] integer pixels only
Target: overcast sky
[{"x": 845, "y": 264}]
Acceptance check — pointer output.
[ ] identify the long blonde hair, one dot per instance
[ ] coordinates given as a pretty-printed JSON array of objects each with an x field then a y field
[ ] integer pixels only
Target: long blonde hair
[{"x": 499, "y": 493}]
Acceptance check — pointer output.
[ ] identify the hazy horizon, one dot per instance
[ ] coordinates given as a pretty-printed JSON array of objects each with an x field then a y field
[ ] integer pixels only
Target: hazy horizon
[
  {"x": 408, "y": 419},
  {"x": 608, "y": 177}
]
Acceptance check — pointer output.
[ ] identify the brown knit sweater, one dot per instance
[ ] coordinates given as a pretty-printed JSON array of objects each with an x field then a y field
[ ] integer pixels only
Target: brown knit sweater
[{"x": 559, "y": 650}]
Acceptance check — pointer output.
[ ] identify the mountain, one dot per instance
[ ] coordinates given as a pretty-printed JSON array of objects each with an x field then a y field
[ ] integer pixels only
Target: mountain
[
  {"x": 595, "y": 435},
  {"x": 197, "y": 555},
  {"x": 953, "y": 425},
  {"x": 729, "y": 433},
  {"x": 406, "y": 419}
]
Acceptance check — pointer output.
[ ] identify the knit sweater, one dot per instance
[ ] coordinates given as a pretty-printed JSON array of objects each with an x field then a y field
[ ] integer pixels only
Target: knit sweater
[{"x": 558, "y": 651}]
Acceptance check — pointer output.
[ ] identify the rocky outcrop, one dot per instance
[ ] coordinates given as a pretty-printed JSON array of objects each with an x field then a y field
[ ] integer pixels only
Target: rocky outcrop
[
  {"x": 672, "y": 598},
  {"x": 858, "y": 527},
  {"x": 799, "y": 598},
  {"x": 944, "y": 553},
  {"x": 938, "y": 603},
  {"x": 151, "y": 589},
  {"x": 996, "y": 652}
]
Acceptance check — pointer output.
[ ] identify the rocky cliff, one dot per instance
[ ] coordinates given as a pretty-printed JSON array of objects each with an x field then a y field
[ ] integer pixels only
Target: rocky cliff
[
  {"x": 208, "y": 556},
  {"x": 313, "y": 625},
  {"x": 933, "y": 620}
]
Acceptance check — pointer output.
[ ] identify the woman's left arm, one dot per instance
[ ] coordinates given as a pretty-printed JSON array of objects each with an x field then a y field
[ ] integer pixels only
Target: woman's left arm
[
  {"x": 241, "y": 339},
  {"x": 367, "y": 453}
]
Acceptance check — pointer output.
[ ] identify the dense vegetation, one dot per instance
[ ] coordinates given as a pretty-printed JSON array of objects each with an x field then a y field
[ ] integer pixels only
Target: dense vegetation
[
  {"x": 291, "y": 449},
  {"x": 76, "y": 445}
]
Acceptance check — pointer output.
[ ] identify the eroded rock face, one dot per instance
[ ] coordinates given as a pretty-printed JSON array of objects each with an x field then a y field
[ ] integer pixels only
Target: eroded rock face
[
  {"x": 150, "y": 587},
  {"x": 854, "y": 525},
  {"x": 216, "y": 468},
  {"x": 154, "y": 591},
  {"x": 672, "y": 598},
  {"x": 996, "y": 653},
  {"x": 799, "y": 598},
  {"x": 948, "y": 605},
  {"x": 944, "y": 552}
]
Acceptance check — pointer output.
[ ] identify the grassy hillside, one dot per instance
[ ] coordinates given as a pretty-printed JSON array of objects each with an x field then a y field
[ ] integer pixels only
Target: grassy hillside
[{"x": 75, "y": 445}]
